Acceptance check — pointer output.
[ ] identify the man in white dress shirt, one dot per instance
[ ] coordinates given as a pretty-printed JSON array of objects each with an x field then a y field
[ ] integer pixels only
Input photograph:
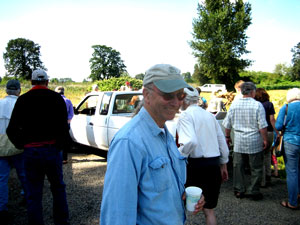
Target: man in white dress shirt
[{"x": 201, "y": 139}]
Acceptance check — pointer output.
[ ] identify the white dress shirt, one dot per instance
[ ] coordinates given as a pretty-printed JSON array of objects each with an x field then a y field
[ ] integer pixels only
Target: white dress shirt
[{"x": 200, "y": 135}]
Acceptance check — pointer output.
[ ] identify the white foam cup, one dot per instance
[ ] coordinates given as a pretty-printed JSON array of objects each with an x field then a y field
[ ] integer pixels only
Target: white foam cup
[{"x": 193, "y": 195}]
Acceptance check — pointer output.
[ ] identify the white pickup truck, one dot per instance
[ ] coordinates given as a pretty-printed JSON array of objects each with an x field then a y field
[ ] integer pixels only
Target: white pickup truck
[
  {"x": 213, "y": 88},
  {"x": 99, "y": 116}
]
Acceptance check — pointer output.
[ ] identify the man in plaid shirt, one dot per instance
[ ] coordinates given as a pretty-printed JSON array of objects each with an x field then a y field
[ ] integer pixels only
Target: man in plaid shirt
[{"x": 247, "y": 118}]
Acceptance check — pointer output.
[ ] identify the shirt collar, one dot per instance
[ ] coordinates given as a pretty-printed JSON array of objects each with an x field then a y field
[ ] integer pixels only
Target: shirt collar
[
  {"x": 11, "y": 96},
  {"x": 154, "y": 128},
  {"x": 35, "y": 87}
]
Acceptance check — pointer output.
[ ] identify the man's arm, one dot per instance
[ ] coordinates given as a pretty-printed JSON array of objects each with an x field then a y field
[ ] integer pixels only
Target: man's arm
[
  {"x": 70, "y": 111},
  {"x": 227, "y": 136},
  {"x": 63, "y": 137},
  {"x": 224, "y": 151},
  {"x": 14, "y": 130},
  {"x": 264, "y": 134},
  {"x": 272, "y": 120},
  {"x": 263, "y": 125},
  {"x": 224, "y": 172},
  {"x": 120, "y": 193},
  {"x": 223, "y": 147}
]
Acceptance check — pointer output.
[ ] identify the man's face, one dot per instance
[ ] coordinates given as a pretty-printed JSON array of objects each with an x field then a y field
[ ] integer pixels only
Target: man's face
[{"x": 162, "y": 106}]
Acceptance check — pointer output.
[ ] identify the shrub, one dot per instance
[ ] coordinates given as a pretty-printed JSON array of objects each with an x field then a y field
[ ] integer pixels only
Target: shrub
[{"x": 116, "y": 83}]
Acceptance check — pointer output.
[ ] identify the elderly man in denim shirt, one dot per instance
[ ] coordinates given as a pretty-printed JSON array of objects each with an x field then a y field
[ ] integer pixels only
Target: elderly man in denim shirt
[{"x": 145, "y": 177}]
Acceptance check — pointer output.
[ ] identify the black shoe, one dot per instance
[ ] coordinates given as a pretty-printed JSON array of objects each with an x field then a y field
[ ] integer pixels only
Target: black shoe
[
  {"x": 255, "y": 197},
  {"x": 239, "y": 194}
]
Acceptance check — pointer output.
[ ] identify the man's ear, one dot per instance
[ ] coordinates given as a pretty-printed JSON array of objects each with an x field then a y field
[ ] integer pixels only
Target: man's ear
[{"x": 146, "y": 94}]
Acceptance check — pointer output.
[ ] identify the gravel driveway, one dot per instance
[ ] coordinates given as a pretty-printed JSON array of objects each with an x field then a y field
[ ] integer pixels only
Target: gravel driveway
[{"x": 84, "y": 176}]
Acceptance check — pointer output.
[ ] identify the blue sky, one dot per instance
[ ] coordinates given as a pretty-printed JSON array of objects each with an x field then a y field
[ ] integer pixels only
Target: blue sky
[{"x": 145, "y": 32}]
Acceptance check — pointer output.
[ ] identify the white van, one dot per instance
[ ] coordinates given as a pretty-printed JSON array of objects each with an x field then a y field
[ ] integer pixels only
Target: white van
[{"x": 213, "y": 87}]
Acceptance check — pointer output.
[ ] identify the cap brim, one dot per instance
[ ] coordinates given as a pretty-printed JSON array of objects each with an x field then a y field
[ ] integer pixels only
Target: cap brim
[{"x": 169, "y": 86}]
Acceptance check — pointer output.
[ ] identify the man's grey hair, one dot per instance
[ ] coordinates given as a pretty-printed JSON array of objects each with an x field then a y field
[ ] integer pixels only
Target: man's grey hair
[
  {"x": 247, "y": 88},
  {"x": 13, "y": 92},
  {"x": 190, "y": 101}
]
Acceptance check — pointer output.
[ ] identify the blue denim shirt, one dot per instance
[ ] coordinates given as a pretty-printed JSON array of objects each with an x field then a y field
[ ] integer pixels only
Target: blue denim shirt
[
  {"x": 145, "y": 176},
  {"x": 292, "y": 127}
]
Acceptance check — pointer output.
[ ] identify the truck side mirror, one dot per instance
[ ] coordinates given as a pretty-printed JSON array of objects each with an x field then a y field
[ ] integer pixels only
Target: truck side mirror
[{"x": 75, "y": 111}]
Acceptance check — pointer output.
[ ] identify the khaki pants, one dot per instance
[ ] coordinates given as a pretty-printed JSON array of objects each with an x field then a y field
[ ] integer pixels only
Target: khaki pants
[{"x": 239, "y": 178}]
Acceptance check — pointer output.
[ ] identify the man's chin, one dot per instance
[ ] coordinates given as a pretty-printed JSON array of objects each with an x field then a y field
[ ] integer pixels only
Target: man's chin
[{"x": 171, "y": 116}]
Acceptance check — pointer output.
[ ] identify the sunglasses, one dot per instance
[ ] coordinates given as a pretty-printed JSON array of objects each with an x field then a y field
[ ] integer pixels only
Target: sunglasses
[{"x": 170, "y": 96}]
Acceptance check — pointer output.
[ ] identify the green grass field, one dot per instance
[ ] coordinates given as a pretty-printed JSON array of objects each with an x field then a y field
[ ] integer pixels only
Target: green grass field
[{"x": 74, "y": 91}]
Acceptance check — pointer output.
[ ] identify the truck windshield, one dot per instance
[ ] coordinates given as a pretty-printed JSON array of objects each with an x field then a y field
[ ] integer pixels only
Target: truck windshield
[{"x": 126, "y": 103}]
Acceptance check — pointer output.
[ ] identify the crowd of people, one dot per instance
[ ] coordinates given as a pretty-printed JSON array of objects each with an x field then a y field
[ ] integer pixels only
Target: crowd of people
[
  {"x": 147, "y": 171},
  {"x": 35, "y": 124}
]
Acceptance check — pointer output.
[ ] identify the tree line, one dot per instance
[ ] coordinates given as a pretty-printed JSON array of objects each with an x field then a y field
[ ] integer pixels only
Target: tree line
[{"x": 219, "y": 42}]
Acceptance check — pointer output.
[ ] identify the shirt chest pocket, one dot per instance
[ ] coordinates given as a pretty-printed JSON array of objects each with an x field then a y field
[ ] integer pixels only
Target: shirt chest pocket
[{"x": 161, "y": 175}]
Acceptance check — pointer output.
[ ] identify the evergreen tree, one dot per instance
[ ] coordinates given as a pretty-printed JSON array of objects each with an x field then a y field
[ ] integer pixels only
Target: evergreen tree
[{"x": 219, "y": 39}]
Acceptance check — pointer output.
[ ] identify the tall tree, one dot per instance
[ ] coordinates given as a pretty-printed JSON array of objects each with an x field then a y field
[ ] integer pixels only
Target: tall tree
[
  {"x": 199, "y": 75},
  {"x": 282, "y": 70},
  {"x": 22, "y": 56},
  {"x": 139, "y": 76},
  {"x": 187, "y": 77},
  {"x": 295, "y": 74},
  {"x": 105, "y": 63},
  {"x": 219, "y": 39}
]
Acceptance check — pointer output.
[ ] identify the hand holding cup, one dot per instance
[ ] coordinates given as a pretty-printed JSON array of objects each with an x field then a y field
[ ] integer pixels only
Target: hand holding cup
[{"x": 194, "y": 199}]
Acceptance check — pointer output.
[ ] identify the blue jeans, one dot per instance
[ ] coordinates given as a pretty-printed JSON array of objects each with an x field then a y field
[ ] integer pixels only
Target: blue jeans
[
  {"x": 39, "y": 162},
  {"x": 6, "y": 164},
  {"x": 292, "y": 168}
]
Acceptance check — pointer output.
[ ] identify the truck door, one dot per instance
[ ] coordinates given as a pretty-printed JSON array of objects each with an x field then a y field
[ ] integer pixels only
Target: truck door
[
  {"x": 123, "y": 107},
  {"x": 84, "y": 117},
  {"x": 98, "y": 125}
]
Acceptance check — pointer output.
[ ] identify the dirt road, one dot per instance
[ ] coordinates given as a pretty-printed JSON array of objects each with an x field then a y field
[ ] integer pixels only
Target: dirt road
[{"x": 84, "y": 176}]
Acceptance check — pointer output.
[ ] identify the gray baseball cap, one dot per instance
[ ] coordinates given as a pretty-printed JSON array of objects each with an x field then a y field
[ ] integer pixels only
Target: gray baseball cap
[
  {"x": 165, "y": 77},
  {"x": 39, "y": 75},
  {"x": 13, "y": 85}
]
